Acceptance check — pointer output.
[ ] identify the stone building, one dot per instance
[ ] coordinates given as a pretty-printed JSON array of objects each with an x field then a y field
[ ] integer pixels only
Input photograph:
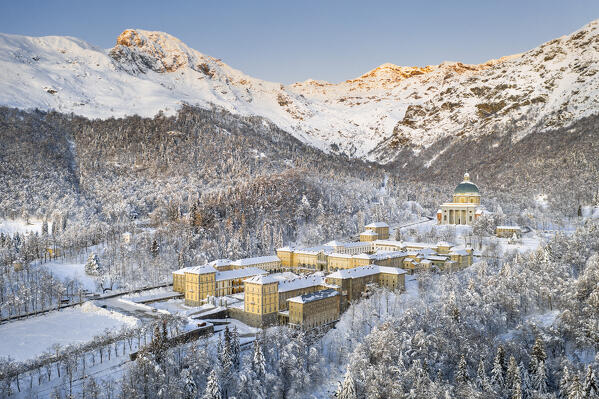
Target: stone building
[
  {"x": 315, "y": 309},
  {"x": 354, "y": 282},
  {"x": 465, "y": 207},
  {"x": 380, "y": 228},
  {"x": 205, "y": 281},
  {"x": 508, "y": 231}
]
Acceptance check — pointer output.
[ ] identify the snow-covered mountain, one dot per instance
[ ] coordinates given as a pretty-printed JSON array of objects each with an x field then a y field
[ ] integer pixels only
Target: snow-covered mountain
[{"x": 371, "y": 116}]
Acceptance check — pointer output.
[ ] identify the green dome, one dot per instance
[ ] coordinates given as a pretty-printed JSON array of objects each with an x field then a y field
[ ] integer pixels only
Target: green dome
[{"x": 466, "y": 187}]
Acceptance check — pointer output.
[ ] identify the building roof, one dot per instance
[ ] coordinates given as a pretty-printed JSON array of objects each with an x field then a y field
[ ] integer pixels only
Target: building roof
[
  {"x": 509, "y": 227},
  {"x": 204, "y": 269},
  {"x": 239, "y": 273},
  {"x": 466, "y": 187},
  {"x": 301, "y": 282},
  {"x": 220, "y": 262},
  {"x": 284, "y": 276},
  {"x": 362, "y": 271},
  {"x": 314, "y": 296},
  {"x": 338, "y": 255},
  {"x": 390, "y": 243},
  {"x": 261, "y": 279},
  {"x": 256, "y": 260},
  {"x": 377, "y": 224},
  {"x": 181, "y": 271},
  {"x": 419, "y": 245},
  {"x": 436, "y": 257},
  {"x": 380, "y": 255}
]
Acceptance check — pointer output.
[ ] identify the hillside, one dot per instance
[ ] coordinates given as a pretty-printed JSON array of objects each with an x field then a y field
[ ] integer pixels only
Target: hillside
[{"x": 374, "y": 116}]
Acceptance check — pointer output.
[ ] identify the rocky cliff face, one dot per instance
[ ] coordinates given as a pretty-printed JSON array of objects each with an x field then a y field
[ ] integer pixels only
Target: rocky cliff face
[{"x": 388, "y": 111}]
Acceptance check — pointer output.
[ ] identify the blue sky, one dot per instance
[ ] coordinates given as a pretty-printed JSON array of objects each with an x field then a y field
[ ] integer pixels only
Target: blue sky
[{"x": 288, "y": 41}]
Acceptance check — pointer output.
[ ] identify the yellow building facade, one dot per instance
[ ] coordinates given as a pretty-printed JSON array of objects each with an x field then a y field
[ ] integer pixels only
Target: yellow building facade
[
  {"x": 315, "y": 309},
  {"x": 261, "y": 295}
]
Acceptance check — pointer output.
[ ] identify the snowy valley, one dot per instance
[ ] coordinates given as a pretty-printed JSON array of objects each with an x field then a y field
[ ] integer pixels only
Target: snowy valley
[{"x": 171, "y": 227}]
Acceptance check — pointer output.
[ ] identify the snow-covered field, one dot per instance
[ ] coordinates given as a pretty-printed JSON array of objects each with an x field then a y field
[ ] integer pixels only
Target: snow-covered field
[
  {"x": 21, "y": 226},
  {"x": 71, "y": 271},
  {"x": 25, "y": 339}
]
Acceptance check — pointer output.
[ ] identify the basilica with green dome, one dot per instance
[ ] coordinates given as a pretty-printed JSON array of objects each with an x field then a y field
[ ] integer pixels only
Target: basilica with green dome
[{"x": 465, "y": 207}]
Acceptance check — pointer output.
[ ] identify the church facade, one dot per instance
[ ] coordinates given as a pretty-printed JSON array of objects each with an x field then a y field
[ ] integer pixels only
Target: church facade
[{"x": 465, "y": 207}]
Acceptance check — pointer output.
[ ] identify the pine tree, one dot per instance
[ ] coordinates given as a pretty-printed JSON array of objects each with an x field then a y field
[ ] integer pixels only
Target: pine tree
[
  {"x": 517, "y": 391},
  {"x": 526, "y": 382},
  {"x": 235, "y": 348},
  {"x": 575, "y": 391},
  {"x": 540, "y": 378},
  {"x": 45, "y": 227},
  {"x": 226, "y": 363},
  {"x": 347, "y": 389},
  {"x": 564, "y": 384},
  {"x": 513, "y": 374},
  {"x": 92, "y": 266},
  {"x": 154, "y": 249},
  {"x": 258, "y": 361},
  {"x": 213, "y": 390},
  {"x": 497, "y": 372},
  {"x": 190, "y": 389},
  {"x": 481, "y": 377},
  {"x": 591, "y": 390},
  {"x": 538, "y": 351},
  {"x": 462, "y": 373}
]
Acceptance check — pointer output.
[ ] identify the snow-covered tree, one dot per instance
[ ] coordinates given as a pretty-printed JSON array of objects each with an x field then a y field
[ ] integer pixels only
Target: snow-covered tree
[
  {"x": 462, "y": 376},
  {"x": 92, "y": 266},
  {"x": 347, "y": 389},
  {"x": 213, "y": 389}
]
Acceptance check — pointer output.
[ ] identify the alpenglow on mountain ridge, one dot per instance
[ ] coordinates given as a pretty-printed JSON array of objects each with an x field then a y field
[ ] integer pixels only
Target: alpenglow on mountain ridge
[{"x": 370, "y": 117}]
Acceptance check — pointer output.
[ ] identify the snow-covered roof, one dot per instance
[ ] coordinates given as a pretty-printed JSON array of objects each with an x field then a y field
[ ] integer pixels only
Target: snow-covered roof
[
  {"x": 301, "y": 282},
  {"x": 181, "y": 271},
  {"x": 436, "y": 257},
  {"x": 239, "y": 273},
  {"x": 368, "y": 233},
  {"x": 261, "y": 279},
  {"x": 509, "y": 227},
  {"x": 419, "y": 245},
  {"x": 362, "y": 271},
  {"x": 338, "y": 255},
  {"x": 284, "y": 276},
  {"x": 220, "y": 262},
  {"x": 461, "y": 252},
  {"x": 377, "y": 224},
  {"x": 390, "y": 243},
  {"x": 314, "y": 296},
  {"x": 256, "y": 260},
  {"x": 380, "y": 255},
  {"x": 306, "y": 252},
  {"x": 286, "y": 248},
  {"x": 357, "y": 244},
  {"x": 204, "y": 269},
  {"x": 444, "y": 244}
]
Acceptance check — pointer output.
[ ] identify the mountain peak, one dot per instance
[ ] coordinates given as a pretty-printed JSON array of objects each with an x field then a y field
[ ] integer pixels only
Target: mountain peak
[{"x": 156, "y": 51}]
